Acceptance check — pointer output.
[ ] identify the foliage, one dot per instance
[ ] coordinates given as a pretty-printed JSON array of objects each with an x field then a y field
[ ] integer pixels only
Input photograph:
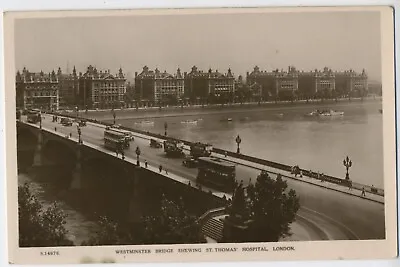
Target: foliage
[
  {"x": 108, "y": 234},
  {"x": 269, "y": 209},
  {"x": 172, "y": 225},
  {"x": 39, "y": 227}
]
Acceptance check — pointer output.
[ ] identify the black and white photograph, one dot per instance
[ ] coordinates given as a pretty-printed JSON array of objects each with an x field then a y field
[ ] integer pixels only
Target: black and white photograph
[{"x": 200, "y": 135}]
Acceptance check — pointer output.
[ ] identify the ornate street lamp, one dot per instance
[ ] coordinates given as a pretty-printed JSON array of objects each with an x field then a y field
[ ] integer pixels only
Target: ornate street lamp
[
  {"x": 77, "y": 110},
  {"x": 79, "y": 135},
  {"x": 238, "y": 141},
  {"x": 347, "y": 163},
  {"x": 40, "y": 120},
  {"x": 165, "y": 128},
  {"x": 137, "y": 151}
]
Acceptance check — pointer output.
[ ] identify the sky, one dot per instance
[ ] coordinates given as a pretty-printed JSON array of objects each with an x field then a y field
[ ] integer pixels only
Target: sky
[{"x": 308, "y": 41}]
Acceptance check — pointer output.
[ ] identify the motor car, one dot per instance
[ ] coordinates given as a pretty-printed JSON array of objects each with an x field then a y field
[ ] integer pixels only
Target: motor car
[
  {"x": 154, "y": 143},
  {"x": 81, "y": 123},
  {"x": 66, "y": 122},
  {"x": 189, "y": 162},
  {"x": 116, "y": 126}
]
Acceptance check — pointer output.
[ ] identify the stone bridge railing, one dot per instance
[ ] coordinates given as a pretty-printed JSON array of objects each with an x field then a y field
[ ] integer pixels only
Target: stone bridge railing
[{"x": 272, "y": 164}]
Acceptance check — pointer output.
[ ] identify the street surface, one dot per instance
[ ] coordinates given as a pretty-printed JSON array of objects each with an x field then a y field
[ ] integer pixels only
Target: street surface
[{"x": 326, "y": 213}]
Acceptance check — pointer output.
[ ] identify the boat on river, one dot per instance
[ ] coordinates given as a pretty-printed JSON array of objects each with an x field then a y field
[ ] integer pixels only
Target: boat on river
[
  {"x": 190, "y": 122},
  {"x": 145, "y": 123},
  {"x": 325, "y": 113}
]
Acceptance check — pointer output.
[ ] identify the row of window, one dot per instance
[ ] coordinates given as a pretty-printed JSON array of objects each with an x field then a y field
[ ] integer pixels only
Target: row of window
[
  {"x": 109, "y": 84},
  {"x": 42, "y": 93},
  {"x": 41, "y": 88}
]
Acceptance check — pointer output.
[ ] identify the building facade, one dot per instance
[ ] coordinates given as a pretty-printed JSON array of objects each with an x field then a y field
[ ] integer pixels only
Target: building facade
[
  {"x": 287, "y": 84},
  {"x": 266, "y": 80},
  {"x": 276, "y": 84},
  {"x": 352, "y": 83},
  {"x": 101, "y": 89},
  {"x": 317, "y": 83},
  {"x": 203, "y": 86},
  {"x": 37, "y": 90},
  {"x": 69, "y": 88},
  {"x": 156, "y": 88},
  {"x": 294, "y": 84}
]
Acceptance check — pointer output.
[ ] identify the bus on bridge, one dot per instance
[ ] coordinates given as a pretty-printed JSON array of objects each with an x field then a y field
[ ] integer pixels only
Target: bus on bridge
[
  {"x": 114, "y": 140},
  {"x": 217, "y": 173},
  {"x": 33, "y": 116},
  {"x": 200, "y": 150},
  {"x": 127, "y": 135}
]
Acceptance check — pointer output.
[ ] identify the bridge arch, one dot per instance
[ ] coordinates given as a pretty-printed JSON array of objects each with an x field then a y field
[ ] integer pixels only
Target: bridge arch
[{"x": 59, "y": 153}]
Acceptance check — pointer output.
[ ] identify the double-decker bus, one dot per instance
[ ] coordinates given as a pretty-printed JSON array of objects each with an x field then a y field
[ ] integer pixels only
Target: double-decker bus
[
  {"x": 173, "y": 148},
  {"x": 200, "y": 150},
  {"x": 114, "y": 140},
  {"x": 216, "y": 173},
  {"x": 127, "y": 135},
  {"x": 33, "y": 116}
]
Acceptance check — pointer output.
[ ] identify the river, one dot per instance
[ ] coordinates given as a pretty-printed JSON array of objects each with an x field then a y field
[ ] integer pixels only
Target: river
[
  {"x": 282, "y": 134},
  {"x": 79, "y": 227}
]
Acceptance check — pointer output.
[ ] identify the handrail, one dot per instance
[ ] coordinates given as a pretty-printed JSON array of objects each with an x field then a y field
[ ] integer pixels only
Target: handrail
[{"x": 276, "y": 165}]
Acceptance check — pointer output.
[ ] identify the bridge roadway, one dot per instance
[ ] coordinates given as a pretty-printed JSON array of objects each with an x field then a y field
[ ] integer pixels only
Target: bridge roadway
[{"x": 328, "y": 214}]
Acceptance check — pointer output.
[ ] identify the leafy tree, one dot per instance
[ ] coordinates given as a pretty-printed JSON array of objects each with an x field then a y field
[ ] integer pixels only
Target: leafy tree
[
  {"x": 108, "y": 234},
  {"x": 172, "y": 225},
  {"x": 39, "y": 227},
  {"x": 270, "y": 209}
]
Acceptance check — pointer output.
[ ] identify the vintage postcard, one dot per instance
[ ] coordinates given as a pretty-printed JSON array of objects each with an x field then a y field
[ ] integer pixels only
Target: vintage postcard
[{"x": 231, "y": 134}]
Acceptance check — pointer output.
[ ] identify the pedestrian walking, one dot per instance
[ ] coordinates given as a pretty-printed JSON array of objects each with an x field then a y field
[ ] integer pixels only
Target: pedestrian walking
[
  {"x": 160, "y": 168},
  {"x": 363, "y": 192},
  {"x": 226, "y": 154},
  {"x": 145, "y": 163},
  {"x": 70, "y": 135},
  {"x": 166, "y": 171}
]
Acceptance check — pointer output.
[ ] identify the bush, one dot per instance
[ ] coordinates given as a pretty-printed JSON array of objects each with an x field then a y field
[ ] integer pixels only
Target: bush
[{"x": 39, "y": 227}]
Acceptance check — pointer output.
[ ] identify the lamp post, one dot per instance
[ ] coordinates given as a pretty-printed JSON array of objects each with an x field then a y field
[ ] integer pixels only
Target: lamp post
[
  {"x": 114, "y": 116},
  {"x": 40, "y": 120},
  {"x": 137, "y": 151},
  {"x": 347, "y": 163},
  {"x": 77, "y": 110},
  {"x": 165, "y": 128},
  {"x": 79, "y": 135},
  {"x": 238, "y": 141}
]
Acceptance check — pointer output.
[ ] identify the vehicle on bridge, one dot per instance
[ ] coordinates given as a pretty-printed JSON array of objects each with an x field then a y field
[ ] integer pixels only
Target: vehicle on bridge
[
  {"x": 33, "y": 116},
  {"x": 114, "y": 140},
  {"x": 66, "y": 122},
  {"x": 125, "y": 135},
  {"x": 173, "y": 148},
  {"x": 190, "y": 162},
  {"x": 154, "y": 143},
  {"x": 217, "y": 173},
  {"x": 200, "y": 150},
  {"x": 81, "y": 122}
]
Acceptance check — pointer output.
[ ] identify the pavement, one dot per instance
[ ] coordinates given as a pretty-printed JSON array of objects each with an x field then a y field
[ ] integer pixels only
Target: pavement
[{"x": 326, "y": 212}]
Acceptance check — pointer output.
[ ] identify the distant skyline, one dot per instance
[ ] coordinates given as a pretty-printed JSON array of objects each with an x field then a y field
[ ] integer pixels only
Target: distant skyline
[{"x": 308, "y": 41}]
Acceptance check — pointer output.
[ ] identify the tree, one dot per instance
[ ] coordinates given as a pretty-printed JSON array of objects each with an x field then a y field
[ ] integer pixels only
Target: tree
[
  {"x": 270, "y": 209},
  {"x": 40, "y": 227},
  {"x": 108, "y": 234},
  {"x": 172, "y": 225}
]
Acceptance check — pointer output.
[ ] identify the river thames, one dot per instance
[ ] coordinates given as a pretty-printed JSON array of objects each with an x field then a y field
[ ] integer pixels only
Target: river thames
[{"x": 282, "y": 134}]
